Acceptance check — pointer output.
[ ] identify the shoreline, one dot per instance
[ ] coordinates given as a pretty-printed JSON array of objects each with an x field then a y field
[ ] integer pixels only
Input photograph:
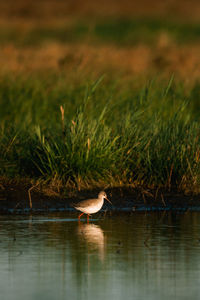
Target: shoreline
[{"x": 15, "y": 199}]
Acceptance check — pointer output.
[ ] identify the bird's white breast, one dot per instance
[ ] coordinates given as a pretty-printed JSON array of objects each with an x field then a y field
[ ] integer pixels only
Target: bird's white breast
[{"x": 93, "y": 208}]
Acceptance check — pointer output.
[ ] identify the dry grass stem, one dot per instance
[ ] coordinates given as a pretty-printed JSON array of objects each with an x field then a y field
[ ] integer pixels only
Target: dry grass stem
[
  {"x": 62, "y": 110},
  {"x": 163, "y": 200},
  {"x": 29, "y": 195}
]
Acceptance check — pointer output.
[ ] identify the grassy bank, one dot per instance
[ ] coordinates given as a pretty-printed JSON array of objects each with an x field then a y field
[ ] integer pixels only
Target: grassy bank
[
  {"x": 100, "y": 133},
  {"x": 64, "y": 126}
]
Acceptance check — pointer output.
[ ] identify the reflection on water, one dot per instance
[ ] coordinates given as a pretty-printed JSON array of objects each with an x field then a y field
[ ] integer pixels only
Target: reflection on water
[
  {"x": 137, "y": 256},
  {"x": 93, "y": 236}
]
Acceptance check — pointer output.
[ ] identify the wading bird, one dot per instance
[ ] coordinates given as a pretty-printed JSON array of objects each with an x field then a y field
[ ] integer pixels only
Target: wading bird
[{"x": 91, "y": 206}]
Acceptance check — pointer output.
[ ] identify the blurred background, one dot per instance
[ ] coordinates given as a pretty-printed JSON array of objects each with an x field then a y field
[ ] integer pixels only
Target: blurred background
[{"x": 122, "y": 37}]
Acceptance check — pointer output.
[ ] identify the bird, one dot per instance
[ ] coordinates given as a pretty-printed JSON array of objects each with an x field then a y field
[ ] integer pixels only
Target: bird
[{"x": 91, "y": 206}]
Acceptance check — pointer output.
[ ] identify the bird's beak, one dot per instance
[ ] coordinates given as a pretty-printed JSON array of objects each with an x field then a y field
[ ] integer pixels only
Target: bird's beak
[{"x": 108, "y": 200}]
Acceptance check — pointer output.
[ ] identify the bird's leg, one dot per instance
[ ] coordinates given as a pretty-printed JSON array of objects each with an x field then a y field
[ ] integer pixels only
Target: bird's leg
[
  {"x": 79, "y": 217},
  {"x": 88, "y": 219}
]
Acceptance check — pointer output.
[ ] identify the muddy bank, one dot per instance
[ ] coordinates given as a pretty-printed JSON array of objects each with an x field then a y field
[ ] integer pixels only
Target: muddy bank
[{"x": 19, "y": 197}]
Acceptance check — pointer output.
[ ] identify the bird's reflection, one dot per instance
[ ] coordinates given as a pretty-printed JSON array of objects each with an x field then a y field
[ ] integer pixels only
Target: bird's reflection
[{"x": 93, "y": 235}]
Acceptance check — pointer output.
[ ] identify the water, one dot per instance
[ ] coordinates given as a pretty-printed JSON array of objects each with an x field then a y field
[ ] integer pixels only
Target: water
[{"x": 123, "y": 256}]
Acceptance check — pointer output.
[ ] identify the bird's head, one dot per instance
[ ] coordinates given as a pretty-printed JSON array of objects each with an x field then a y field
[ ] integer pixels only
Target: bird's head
[{"x": 103, "y": 195}]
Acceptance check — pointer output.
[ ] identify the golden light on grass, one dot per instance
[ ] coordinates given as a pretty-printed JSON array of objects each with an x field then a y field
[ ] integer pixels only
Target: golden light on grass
[
  {"x": 88, "y": 142},
  {"x": 62, "y": 110}
]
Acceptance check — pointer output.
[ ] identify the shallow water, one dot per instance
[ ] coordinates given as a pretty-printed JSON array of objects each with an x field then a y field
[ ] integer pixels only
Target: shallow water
[{"x": 122, "y": 256}]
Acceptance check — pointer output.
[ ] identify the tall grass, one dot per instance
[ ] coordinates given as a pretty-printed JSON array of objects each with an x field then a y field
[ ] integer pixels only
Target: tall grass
[{"x": 87, "y": 135}]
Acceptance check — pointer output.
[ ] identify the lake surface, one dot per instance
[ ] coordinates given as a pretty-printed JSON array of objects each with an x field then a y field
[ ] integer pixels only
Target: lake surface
[{"x": 119, "y": 256}]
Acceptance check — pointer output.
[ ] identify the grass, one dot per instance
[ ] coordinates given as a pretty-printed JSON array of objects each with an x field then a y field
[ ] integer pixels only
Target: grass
[
  {"x": 117, "y": 31},
  {"x": 100, "y": 132},
  {"x": 62, "y": 124}
]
